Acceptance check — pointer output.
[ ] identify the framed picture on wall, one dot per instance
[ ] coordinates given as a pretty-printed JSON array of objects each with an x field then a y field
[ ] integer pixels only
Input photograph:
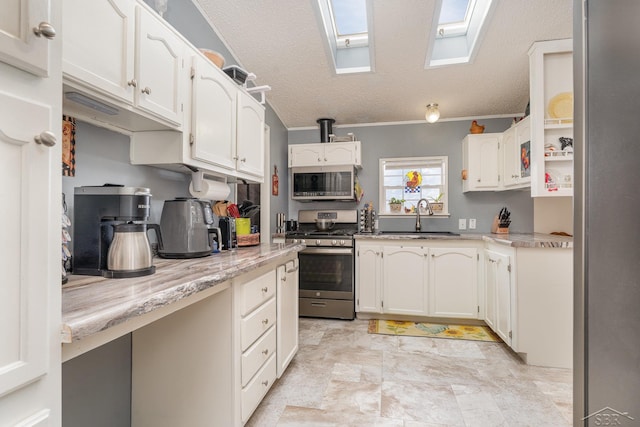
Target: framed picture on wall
[
  {"x": 68, "y": 146},
  {"x": 525, "y": 159}
]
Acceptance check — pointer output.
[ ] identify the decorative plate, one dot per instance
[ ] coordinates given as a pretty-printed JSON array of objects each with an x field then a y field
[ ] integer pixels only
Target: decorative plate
[{"x": 561, "y": 106}]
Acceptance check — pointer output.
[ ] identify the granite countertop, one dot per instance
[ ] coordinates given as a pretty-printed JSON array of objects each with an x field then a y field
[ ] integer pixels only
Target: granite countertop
[
  {"x": 518, "y": 240},
  {"x": 92, "y": 304}
]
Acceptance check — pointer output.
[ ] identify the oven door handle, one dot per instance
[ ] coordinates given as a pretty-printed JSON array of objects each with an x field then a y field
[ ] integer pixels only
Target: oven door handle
[{"x": 328, "y": 251}]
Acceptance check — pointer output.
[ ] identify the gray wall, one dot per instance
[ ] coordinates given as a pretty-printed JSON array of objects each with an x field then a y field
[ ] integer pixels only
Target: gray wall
[
  {"x": 422, "y": 139},
  {"x": 102, "y": 156},
  {"x": 96, "y": 386}
]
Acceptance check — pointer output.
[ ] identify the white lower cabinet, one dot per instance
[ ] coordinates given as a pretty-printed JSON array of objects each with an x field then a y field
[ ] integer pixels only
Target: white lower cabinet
[
  {"x": 220, "y": 356},
  {"x": 529, "y": 307},
  {"x": 368, "y": 278},
  {"x": 256, "y": 323},
  {"x": 498, "y": 293},
  {"x": 287, "y": 323},
  {"x": 404, "y": 283},
  {"x": 418, "y": 279},
  {"x": 453, "y": 278}
]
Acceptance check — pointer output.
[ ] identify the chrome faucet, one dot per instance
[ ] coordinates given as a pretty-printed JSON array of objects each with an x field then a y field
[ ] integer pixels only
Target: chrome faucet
[{"x": 429, "y": 211}]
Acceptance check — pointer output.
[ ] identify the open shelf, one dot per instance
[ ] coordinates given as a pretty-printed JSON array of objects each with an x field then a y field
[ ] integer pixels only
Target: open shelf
[{"x": 557, "y": 156}]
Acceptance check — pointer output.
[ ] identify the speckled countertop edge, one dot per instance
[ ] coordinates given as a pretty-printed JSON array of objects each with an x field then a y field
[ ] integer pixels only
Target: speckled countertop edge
[
  {"x": 518, "y": 240},
  {"x": 91, "y": 304}
]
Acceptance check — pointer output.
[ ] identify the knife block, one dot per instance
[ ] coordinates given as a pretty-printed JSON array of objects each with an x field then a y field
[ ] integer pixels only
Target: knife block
[{"x": 495, "y": 227}]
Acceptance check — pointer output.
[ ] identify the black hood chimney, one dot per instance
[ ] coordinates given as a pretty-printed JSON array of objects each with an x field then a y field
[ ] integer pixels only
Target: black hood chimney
[{"x": 325, "y": 128}]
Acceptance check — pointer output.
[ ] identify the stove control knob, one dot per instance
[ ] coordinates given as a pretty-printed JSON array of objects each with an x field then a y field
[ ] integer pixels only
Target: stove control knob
[
  {"x": 318, "y": 242},
  {"x": 295, "y": 241},
  {"x": 334, "y": 243},
  {"x": 342, "y": 242}
]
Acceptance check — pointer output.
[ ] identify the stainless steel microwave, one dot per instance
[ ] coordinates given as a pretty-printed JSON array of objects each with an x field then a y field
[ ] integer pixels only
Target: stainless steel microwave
[{"x": 323, "y": 183}]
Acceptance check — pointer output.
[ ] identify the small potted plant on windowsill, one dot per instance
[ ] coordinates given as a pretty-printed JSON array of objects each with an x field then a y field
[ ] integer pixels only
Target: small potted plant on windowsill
[
  {"x": 437, "y": 205},
  {"x": 395, "y": 205}
]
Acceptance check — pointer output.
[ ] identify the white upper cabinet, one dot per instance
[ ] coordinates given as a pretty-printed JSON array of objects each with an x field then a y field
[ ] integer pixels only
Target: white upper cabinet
[
  {"x": 551, "y": 91},
  {"x": 160, "y": 66},
  {"x": 516, "y": 155},
  {"x": 226, "y": 135},
  {"x": 25, "y": 33},
  {"x": 119, "y": 53},
  {"x": 497, "y": 161},
  {"x": 250, "y": 137},
  {"x": 99, "y": 46},
  {"x": 213, "y": 115},
  {"x": 481, "y": 162},
  {"x": 325, "y": 154}
]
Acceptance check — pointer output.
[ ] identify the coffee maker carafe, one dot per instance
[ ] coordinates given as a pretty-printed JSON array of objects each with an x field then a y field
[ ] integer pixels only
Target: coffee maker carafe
[{"x": 98, "y": 211}]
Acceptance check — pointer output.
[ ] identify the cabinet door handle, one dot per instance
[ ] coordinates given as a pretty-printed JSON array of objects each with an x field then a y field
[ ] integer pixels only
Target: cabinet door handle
[
  {"x": 132, "y": 83},
  {"x": 45, "y": 138},
  {"x": 319, "y": 159},
  {"x": 265, "y": 351},
  {"x": 244, "y": 159},
  {"x": 265, "y": 383},
  {"x": 479, "y": 180},
  {"x": 44, "y": 29},
  {"x": 146, "y": 90},
  {"x": 284, "y": 278},
  {"x": 265, "y": 289},
  {"x": 265, "y": 322}
]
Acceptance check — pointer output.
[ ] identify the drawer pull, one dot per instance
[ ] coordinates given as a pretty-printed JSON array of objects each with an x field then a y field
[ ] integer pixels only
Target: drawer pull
[
  {"x": 265, "y": 383},
  {"x": 265, "y": 321},
  {"x": 265, "y": 351},
  {"x": 265, "y": 289}
]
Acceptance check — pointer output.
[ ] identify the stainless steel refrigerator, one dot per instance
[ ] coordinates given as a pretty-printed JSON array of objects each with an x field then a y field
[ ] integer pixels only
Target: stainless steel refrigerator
[{"x": 607, "y": 212}]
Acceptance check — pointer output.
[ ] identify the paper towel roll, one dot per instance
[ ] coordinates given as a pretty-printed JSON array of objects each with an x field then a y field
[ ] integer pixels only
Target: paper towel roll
[{"x": 211, "y": 190}]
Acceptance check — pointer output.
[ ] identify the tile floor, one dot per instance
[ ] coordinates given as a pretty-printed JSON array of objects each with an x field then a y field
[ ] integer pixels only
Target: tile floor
[{"x": 343, "y": 376}]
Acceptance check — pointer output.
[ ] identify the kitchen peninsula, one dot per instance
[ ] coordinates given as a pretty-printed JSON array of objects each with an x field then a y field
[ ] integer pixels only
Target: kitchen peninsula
[{"x": 194, "y": 325}]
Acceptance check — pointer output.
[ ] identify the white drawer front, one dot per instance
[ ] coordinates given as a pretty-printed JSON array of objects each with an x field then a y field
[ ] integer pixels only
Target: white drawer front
[
  {"x": 258, "y": 291},
  {"x": 257, "y": 355},
  {"x": 257, "y": 323},
  {"x": 253, "y": 393}
]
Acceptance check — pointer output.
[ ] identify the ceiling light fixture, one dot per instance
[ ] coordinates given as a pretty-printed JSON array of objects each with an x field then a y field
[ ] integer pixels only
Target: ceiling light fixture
[{"x": 433, "y": 113}]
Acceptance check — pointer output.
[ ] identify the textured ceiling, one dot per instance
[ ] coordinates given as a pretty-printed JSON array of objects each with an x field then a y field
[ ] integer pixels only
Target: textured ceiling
[{"x": 281, "y": 41}]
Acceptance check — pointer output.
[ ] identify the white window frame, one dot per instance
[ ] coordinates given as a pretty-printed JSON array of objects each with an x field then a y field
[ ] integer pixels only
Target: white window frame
[{"x": 413, "y": 162}]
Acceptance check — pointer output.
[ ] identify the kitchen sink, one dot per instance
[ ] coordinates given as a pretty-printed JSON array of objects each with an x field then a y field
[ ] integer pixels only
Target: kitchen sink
[{"x": 422, "y": 233}]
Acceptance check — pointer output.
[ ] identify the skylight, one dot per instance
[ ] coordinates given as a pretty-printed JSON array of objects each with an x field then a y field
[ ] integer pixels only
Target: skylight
[
  {"x": 457, "y": 29},
  {"x": 347, "y": 26},
  {"x": 455, "y": 16}
]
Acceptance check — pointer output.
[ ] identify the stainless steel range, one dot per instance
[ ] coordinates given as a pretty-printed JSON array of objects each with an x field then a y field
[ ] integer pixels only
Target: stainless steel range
[{"x": 327, "y": 264}]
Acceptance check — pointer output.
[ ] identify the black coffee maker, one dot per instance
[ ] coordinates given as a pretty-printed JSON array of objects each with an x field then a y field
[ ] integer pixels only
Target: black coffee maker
[{"x": 97, "y": 209}]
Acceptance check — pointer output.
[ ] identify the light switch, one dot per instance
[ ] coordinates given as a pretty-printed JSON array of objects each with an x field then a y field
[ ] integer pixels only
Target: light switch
[
  {"x": 462, "y": 224},
  {"x": 472, "y": 223}
]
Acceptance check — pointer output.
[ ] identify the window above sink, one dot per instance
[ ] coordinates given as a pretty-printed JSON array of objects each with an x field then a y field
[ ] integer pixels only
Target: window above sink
[{"x": 405, "y": 181}]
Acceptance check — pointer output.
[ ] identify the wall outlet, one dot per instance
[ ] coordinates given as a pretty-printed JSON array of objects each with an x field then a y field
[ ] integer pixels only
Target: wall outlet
[
  {"x": 462, "y": 224},
  {"x": 472, "y": 223}
]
